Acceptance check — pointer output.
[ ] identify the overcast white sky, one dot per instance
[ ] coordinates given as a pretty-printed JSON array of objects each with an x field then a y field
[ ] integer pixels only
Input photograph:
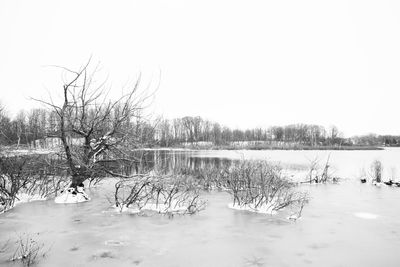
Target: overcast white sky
[{"x": 242, "y": 63}]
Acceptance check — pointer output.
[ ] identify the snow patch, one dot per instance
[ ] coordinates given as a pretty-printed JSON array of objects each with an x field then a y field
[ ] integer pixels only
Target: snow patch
[
  {"x": 159, "y": 208},
  {"x": 365, "y": 215},
  {"x": 24, "y": 198},
  {"x": 377, "y": 183},
  {"x": 71, "y": 196},
  {"x": 264, "y": 209}
]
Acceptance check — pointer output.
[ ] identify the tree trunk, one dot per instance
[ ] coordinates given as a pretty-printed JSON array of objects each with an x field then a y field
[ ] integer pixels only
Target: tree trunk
[{"x": 77, "y": 180}]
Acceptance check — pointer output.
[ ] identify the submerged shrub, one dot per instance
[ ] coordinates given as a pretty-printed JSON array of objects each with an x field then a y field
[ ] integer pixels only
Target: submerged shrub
[
  {"x": 28, "y": 250},
  {"x": 376, "y": 171},
  {"x": 13, "y": 177},
  {"x": 318, "y": 174},
  {"x": 206, "y": 178},
  {"x": 24, "y": 177},
  {"x": 164, "y": 194},
  {"x": 260, "y": 186}
]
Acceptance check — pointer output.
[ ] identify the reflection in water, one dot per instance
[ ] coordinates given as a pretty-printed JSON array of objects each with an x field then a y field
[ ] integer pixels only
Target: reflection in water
[{"x": 166, "y": 161}]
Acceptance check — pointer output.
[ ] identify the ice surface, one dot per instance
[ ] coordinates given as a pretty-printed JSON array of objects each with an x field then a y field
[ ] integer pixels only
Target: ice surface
[
  {"x": 328, "y": 234},
  {"x": 365, "y": 215},
  {"x": 23, "y": 198}
]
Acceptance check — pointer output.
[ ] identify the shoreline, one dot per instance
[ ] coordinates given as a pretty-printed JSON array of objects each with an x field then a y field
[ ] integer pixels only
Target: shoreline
[
  {"x": 31, "y": 151},
  {"x": 344, "y": 148}
]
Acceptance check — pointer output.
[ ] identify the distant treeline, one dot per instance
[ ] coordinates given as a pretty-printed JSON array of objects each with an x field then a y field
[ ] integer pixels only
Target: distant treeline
[
  {"x": 375, "y": 140},
  {"x": 196, "y": 129},
  {"x": 38, "y": 124}
]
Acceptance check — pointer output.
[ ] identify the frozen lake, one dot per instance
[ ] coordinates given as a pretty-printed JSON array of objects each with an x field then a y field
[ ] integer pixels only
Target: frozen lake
[
  {"x": 346, "y": 164},
  {"x": 347, "y": 224}
]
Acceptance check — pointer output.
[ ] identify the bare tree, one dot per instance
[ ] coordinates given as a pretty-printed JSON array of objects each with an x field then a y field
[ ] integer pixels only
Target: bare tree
[
  {"x": 5, "y": 126},
  {"x": 93, "y": 129}
]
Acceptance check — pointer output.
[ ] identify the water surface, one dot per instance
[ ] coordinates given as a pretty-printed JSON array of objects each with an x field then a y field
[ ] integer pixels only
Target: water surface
[{"x": 347, "y": 224}]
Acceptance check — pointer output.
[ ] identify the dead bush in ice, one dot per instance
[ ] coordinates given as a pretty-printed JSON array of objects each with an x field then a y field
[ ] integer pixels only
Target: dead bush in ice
[
  {"x": 376, "y": 171},
  {"x": 48, "y": 177},
  {"x": 320, "y": 174},
  {"x": 13, "y": 177},
  {"x": 207, "y": 178},
  {"x": 28, "y": 251},
  {"x": 24, "y": 179},
  {"x": 133, "y": 192},
  {"x": 259, "y": 186},
  {"x": 163, "y": 194}
]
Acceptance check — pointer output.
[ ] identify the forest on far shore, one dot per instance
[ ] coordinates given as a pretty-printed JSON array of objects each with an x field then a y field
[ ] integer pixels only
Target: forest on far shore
[{"x": 39, "y": 124}]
